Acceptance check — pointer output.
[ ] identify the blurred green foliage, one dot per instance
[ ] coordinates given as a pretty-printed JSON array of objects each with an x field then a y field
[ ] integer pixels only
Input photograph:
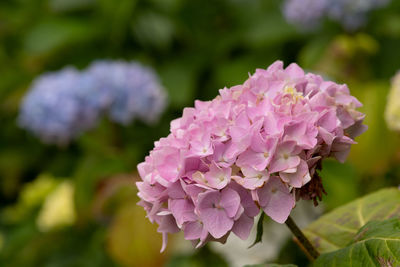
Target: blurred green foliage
[{"x": 197, "y": 47}]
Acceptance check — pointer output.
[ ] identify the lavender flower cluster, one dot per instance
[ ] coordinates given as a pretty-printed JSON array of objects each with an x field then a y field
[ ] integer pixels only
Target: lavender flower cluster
[
  {"x": 352, "y": 14},
  {"x": 61, "y": 105}
]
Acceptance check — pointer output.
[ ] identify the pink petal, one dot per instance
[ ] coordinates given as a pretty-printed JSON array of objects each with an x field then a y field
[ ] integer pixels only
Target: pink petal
[
  {"x": 216, "y": 222},
  {"x": 250, "y": 208},
  {"x": 242, "y": 226},
  {"x": 193, "y": 230},
  {"x": 218, "y": 177},
  {"x": 281, "y": 163},
  {"x": 298, "y": 178},
  {"x": 183, "y": 210},
  {"x": 294, "y": 71},
  {"x": 254, "y": 159},
  {"x": 176, "y": 191},
  {"x": 164, "y": 242},
  {"x": 276, "y": 200},
  {"x": 230, "y": 201}
]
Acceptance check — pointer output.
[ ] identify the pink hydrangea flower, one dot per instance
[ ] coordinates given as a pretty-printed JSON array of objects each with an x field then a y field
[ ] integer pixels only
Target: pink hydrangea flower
[{"x": 254, "y": 147}]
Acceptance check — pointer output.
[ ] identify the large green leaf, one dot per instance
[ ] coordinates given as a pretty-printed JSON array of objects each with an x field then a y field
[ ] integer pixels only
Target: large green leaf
[
  {"x": 375, "y": 244},
  {"x": 338, "y": 228}
]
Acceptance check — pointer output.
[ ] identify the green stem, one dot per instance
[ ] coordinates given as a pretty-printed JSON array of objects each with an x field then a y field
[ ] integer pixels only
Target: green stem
[{"x": 304, "y": 243}]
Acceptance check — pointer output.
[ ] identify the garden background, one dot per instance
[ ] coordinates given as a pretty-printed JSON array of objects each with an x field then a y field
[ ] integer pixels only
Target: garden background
[{"x": 196, "y": 47}]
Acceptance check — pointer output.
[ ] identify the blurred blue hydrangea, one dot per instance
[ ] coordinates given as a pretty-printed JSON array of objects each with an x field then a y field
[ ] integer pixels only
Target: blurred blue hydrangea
[
  {"x": 134, "y": 91},
  {"x": 307, "y": 14},
  {"x": 59, "y": 106},
  {"x": 352, "y": 14},
  {"x": 62, "y": 105}
]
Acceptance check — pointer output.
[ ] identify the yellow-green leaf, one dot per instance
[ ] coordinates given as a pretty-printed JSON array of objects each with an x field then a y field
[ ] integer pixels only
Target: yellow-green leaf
[{"x": 336, "y": 229}]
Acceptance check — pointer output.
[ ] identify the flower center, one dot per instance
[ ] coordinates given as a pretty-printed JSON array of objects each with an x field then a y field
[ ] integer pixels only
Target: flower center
[
  {"x": 293, "y": 92},
  {"x": 217, "y": 206}
]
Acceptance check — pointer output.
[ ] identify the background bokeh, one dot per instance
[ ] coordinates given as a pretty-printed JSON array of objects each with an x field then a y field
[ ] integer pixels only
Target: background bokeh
[{"x": 75, "y": 205}]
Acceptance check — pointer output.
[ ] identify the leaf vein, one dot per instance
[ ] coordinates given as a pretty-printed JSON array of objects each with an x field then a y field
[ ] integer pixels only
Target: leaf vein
[
  {"x": 351, "y": 253},
  {"x": 369, "y": 256},
  {"x": 391, "y": 252},
  {"x": 359, "y": 213},
  {"x": 351, "y": 230}
]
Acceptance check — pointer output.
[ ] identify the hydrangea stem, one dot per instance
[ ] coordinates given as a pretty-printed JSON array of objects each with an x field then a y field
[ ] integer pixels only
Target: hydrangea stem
[{"x": 303, "y": 242}]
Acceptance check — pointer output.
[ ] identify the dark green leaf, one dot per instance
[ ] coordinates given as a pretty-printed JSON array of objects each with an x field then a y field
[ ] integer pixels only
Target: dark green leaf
[{"x": 260, "y": 229}]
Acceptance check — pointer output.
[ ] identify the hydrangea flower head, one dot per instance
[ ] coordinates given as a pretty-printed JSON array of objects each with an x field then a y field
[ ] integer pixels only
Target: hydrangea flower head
[
  {"x": 133, "y": 90},
  {"x": 305, "y": 13},
  {"x": 61, "y": 105},
  {"x": 256, "y": 145},
  {"x": 352, "y": 14}
]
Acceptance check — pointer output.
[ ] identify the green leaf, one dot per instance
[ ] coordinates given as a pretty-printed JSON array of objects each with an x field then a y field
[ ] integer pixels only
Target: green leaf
[
  {"x": 375, "y": 244},
  {"x": 336, "y": 229},
  {"x": 260, "y": 229}
]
